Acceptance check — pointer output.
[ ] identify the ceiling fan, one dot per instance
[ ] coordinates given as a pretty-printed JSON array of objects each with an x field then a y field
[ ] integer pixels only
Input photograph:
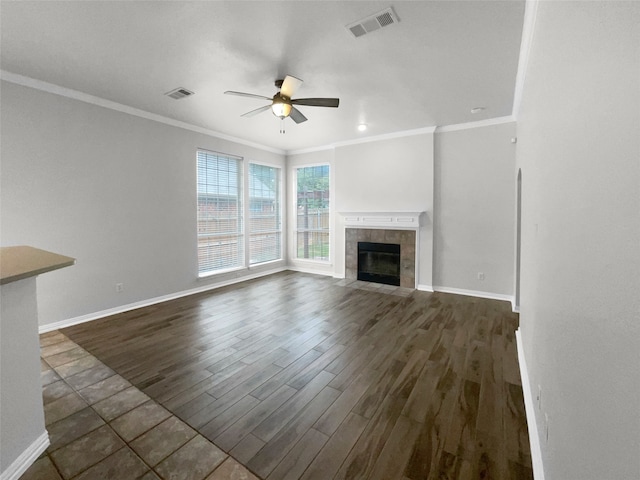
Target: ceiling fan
[{"x": 282, "y": 105}]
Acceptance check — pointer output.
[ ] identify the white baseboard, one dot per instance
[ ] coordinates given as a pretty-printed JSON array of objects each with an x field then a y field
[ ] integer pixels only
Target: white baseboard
[
  {"x": 172, "y": 296},
  {"x": 474, "y": 293},
  {"x": 26, "y": 458},
  {"x": 529, "y": 406},
  {"x": 152, "y": 301}
]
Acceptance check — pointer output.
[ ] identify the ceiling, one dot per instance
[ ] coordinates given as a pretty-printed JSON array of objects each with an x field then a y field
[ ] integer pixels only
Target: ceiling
[{"x": 430, "y": 69}]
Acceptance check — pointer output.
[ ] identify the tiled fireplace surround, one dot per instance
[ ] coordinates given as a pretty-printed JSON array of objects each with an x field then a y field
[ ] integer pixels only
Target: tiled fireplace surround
[{"x": 405, "y": 238}]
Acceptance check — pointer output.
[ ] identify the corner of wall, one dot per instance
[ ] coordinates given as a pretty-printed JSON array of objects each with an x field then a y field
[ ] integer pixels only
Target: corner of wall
[{"x": 532, "y": 426}]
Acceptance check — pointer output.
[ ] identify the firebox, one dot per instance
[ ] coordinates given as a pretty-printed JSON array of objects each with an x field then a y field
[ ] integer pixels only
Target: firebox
[{"x": 379, "y": 263}]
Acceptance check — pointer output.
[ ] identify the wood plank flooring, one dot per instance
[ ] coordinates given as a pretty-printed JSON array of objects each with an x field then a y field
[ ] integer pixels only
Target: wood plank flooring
[{"x": 301, "y": 376}]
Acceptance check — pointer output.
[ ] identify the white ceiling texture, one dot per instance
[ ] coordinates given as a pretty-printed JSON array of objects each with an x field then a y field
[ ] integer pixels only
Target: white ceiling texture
[{"x": 440, "y": 60}]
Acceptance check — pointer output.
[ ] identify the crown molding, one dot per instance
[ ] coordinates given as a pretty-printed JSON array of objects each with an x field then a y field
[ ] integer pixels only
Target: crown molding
[
  {"x": 311, "y": 150},
  {"x": 119, "y": 107},
  {"x": 480, "y": 123},
  {"x": 376, "y": 138},
  {"x": 407, "y": 133},
  {"x": 387, "y": 136}
]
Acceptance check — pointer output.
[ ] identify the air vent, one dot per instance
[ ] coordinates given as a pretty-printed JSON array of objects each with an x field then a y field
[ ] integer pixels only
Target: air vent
[
  {"x": 373, "y": 22},
  {"x": 179, "y": 93}
]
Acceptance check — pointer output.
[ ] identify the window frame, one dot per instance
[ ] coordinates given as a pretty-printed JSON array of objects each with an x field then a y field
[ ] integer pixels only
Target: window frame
[
  {"x": 281, "y": 212},
  {"x": 294, "y": 221},
  {"x": 243, "y": 214},
  {"x": 240, "y": 214}
]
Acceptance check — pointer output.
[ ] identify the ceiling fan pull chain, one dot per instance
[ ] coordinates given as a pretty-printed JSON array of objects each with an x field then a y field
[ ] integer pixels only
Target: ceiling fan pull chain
[{"x": 282, "y": 126}]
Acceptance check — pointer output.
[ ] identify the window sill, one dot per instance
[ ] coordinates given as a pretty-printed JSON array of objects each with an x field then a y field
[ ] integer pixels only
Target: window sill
[
  {"x": 253, "y": 266},
  {"x": 311, "y": 260},
  {"x": 202, "y": 276},
  {"x": 268, "y": 262}
]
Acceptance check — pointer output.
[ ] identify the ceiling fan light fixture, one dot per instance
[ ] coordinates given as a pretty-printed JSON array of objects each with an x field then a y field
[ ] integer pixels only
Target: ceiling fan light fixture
[
  {"x": 281, "y": 110},
  {"x": 281, "y": 106}
]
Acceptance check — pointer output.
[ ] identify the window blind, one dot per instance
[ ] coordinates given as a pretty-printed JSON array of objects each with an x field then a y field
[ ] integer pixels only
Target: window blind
[
  {"x": 220, "y": 212},
  {"x": 265, "y": 214}
]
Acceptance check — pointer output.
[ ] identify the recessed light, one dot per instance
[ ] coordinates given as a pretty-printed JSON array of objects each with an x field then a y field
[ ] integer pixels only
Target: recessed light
[
  {"x": 362, "y": 127},
  {"x": 477, "y": 109}
]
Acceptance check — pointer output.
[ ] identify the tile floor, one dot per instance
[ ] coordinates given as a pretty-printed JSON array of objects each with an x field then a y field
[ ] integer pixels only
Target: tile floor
[{"x": 102, "y": 427}]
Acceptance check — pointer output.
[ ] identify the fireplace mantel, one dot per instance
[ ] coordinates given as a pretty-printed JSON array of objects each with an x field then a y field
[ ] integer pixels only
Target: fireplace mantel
[{"x": 388, "y": 220}]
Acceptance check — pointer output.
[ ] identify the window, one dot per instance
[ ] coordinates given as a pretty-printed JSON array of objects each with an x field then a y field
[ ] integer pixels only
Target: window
[
  {"x": 223, "y": 205},
  {"x": 265, "y": 222},
  {"x": 312, "y": 212},
  {"x": 220, "y": 212}
]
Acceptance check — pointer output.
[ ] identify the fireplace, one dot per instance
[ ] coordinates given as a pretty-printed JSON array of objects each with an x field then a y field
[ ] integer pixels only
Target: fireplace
[
  {"x": 403, "y": 240},
  {"x": 379, "y": 263}
]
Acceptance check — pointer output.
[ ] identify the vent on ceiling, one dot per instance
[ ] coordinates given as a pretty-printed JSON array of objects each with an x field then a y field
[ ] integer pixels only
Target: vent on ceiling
[
  {"x": 373, "y": 22},
  {"x": 179, "y": 93}
]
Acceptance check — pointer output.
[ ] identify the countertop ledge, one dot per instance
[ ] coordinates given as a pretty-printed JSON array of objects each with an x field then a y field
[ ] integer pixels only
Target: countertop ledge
[{"x": 20, "y": 262}]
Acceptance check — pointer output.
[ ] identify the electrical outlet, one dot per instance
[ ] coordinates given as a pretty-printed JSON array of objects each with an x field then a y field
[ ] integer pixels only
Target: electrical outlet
[
  {"x": 119, "y": 287},
  {"x": 480, "y": 276}
]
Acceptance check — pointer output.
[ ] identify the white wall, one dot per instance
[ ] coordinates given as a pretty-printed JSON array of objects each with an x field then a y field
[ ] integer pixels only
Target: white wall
[
  {"x": 475, "y": 187},
  {"x": 113, "y": 190},
  {"x": 117, "y": 192},
  {"x": 384, "y": 176},
  {"x": 22, "y": 432},
  {"x": 579, "y": 151}
]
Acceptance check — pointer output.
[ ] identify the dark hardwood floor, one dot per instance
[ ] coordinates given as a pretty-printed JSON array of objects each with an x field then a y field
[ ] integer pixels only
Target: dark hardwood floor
[{"x": 304, "y": 376}]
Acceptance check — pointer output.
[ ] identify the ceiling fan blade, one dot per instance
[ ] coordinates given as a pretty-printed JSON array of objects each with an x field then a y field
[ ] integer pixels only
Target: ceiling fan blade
[
  {"x": 290, "y": 85},
  {"x": 297, "y": 116},
  {"x": 250, "y": 95},
  {"x": 317, "y": 102},
  {"x": 256, "y": 111}
]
